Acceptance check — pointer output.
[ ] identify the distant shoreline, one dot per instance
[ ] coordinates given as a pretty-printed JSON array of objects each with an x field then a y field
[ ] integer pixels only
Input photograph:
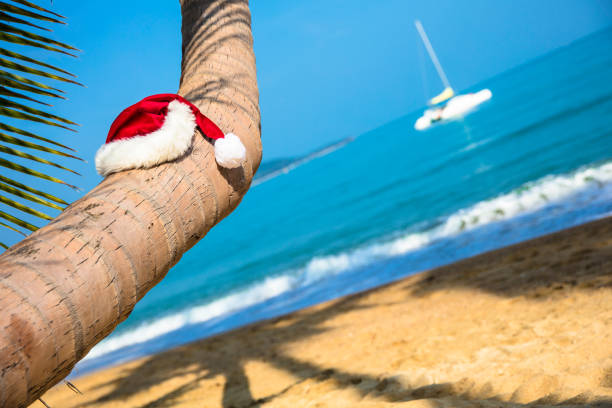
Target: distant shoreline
[{"x": 276, "y": 167}]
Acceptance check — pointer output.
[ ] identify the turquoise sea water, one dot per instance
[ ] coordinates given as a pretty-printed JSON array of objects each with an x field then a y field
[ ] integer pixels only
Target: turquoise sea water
[{"x": 392, "y": 202}]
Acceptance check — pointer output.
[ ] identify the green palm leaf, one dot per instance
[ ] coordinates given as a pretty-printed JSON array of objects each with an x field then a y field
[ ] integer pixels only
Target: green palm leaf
[
  {"x": 11, "y": 83},
  {"x": 21, "y": 154},
  {"x": 8, "y": 53},
  {"x": 24, "y": 41},
  {"x": 13, "y": 140},
  {"x": 23, "y": 68},
  {"x": 9, "y": 29},
  {"x": 18, "y": 10},
  {"x": 12, "y": 229},
  {"x": 24, "y": 108},
  {"x": 37, "y": 7},
  {"x": 28, "y": 196},
  {"x": 31, "y": 172},
  {"x": 18, "y": 92},
  {"x": 7, "y": 76},
  {"x": 17, "y": 221},
  {"x": 13, "y": 129},
  {"x": 7, "y": 92},
  {"x": 11, "y": 113},
  {"x": 13, "y": 19},
  {"x": 24, "y": 208},
  {"x": 32, "y": 190}
]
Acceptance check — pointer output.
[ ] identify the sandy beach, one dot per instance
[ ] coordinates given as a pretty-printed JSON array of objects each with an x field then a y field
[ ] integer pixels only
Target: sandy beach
[{"x": 526, "y": 325}]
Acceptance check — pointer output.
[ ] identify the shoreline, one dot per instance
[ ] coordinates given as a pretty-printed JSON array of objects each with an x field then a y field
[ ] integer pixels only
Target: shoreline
[
  {"x": 523, "y": 324},
  {"x": 368, "y": 266}
]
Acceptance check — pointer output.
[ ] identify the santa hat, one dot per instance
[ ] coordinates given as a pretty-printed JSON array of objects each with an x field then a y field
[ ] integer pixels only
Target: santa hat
[{"x": 159, "y": 129}]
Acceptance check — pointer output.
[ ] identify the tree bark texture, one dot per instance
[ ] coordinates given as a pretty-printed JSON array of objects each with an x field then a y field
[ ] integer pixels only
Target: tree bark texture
[{"x": 69, "y": 284}]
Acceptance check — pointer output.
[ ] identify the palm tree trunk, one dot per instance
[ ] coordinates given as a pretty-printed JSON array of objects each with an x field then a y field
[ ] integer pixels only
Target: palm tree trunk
[{"x": 68, "y": 285}]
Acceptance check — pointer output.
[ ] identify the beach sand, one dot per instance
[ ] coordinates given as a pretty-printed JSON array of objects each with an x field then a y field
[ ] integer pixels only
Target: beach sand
[{"x": 526, "y": 325}]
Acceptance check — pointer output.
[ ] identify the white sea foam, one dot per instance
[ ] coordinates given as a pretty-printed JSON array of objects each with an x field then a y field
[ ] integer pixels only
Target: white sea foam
[
  {"x": 529, "y": 197},
  {"x": 258, "y": 293}
]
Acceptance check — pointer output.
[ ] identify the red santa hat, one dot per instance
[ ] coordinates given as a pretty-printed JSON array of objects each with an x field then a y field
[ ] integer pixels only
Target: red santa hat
[{"x": 159, "y": 129}]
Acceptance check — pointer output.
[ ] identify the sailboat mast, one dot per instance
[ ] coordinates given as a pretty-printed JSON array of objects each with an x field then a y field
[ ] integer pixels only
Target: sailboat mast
[{"x": 432, "y": 53}]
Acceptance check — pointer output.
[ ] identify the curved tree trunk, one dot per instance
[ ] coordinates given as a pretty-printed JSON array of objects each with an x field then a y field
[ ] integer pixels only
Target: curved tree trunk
[{"x": 66, "y": 287}]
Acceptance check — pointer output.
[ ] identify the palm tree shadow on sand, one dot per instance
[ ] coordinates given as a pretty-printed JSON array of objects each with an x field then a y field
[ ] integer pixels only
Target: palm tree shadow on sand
[
  {"x": 582, "y": 259},
  {"x": 217, "y": 357},
  {"x": 575, "y": 258}
]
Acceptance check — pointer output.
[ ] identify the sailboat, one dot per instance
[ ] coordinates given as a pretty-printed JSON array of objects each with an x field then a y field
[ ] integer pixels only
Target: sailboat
[{"x": 456, "y": 106}]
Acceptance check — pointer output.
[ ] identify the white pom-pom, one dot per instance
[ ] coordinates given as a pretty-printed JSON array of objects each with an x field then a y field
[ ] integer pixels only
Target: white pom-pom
[{"x": 229, "y": 151}]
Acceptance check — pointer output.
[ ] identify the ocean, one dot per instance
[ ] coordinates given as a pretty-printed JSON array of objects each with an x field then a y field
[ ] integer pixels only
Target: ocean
[{"x": 392, "y": 202}]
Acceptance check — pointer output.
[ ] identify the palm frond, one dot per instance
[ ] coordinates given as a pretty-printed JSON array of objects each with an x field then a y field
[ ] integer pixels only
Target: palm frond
[
  {"x": 37, "y": 7},
  {"x": 28, "y": 196},
  {"x": 16, "y": 141},
  {"x": 13, "y": 129},
  {"x": 31, "y": 172},
  {"x": 24, "y": 12},
  {"x": 23, "y": 83},
  {"x": 16, "y": 55},
  {"x": 11, "y": 113},
  {"x": 7, "y": 77},
  {"x": 9, "y": 29},
  {"x": 12, "y": 65},
  {"x": 32, "y": 190},
  {"x": 11, "y": 83},
  {"x": 24, "y": 208},
  {"x": 19, "y": 153},
  {"x": 17, "y": 221},
  {"x": 7, "y": 92},
  {"x": 13, "y": 19},
  {"x": 12, "y": 229},
  {"x": 33, "y": 111},
  {"x": 24, "y": 41}
]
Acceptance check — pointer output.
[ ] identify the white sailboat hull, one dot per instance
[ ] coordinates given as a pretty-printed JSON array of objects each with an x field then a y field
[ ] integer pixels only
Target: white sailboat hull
[{"x": 457, "y": 107}]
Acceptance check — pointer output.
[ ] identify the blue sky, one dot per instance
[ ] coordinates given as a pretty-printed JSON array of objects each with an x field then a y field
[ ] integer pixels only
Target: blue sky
[{"x": 326, "y": 69}]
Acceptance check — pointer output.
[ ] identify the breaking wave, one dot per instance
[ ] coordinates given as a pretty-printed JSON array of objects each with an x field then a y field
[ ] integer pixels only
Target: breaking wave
[
  {"x": 269, "y": 288},
  {"x": 530, "y": 197}
]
